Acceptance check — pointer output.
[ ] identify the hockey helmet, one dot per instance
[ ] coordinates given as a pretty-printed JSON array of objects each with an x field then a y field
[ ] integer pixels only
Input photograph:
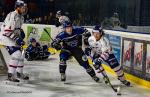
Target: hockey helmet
[
  {"x": 19, "y": 3},
  {"x": 67, "y": 24},
  {"x": 98, "y": 29}
]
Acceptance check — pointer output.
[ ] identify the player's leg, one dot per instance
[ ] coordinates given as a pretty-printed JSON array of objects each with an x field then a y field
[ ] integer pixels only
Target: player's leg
[
  {"x": 45, "y": 48},
  {"x": 20, "y": 67},
  {"x": 30, "y": 56},
  {"x": 83, "y": 61},
  {"x": 13, "y": 62},
  {"x": 97, "y": 63},
  {"x": 64, "y": 56},
  {"x": 44, "y": 55},
  {"x": 113, "y": 63},
  {"x": 27, "y": 56}
]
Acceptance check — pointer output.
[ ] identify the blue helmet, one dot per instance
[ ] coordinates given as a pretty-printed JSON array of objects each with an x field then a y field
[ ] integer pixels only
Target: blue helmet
[
  {"x": 32, "y": 40},
  {"x": 98, "y": 29},
  {"x": 67, "y": 24},
  {"x": 19, "y": 3}
]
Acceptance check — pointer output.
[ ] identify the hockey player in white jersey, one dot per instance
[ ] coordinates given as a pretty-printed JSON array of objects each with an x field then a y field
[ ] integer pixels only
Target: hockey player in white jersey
[
  {"x": 12, "y": 38},
  {"x": 101, "y": 51}
]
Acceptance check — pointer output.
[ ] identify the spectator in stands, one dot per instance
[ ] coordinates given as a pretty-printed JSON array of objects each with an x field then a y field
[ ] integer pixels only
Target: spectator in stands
[
  {"x": 28, "y": 19},
  {"x": 115, "y": 19},
  {"x": 45, "y": 20},
  {"x": 33, "y": 21},
  {"x": 40, "y": 20},
  {"x": 36, "y": 20},
  {"x": 51, "y": 19},
  {"x": 107, "y": 24},
  {"x": 2, "y": 16}
]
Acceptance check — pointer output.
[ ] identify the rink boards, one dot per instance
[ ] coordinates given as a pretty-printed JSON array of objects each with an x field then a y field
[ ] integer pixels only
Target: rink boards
[
  {"x": 134, "y": 54},
  {"x": 132, "y": 49}
]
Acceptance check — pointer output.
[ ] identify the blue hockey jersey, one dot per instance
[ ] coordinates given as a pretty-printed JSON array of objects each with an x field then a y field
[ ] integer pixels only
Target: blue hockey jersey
[{"x": 71, "y": 41}]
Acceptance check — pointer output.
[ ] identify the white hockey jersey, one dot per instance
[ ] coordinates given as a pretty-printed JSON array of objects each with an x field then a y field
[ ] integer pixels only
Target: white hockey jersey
[
  {"x": 99, "y": 47},
  {"x": 11, "y": 22}
]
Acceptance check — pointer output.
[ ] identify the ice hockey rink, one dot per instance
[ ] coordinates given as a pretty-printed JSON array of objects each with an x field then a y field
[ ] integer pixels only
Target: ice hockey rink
[{"x": 45, "y": 82}]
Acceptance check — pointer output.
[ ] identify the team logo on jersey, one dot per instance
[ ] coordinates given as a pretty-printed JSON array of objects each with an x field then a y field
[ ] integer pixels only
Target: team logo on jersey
[
  {"x": 84, "y": 58},
  {"x": 73, "y": 43}
]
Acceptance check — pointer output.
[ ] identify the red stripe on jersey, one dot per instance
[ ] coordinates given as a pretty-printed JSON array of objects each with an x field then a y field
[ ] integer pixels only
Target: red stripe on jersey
[
  {"x": 20, "y": 66},
  {"x": 13, "y": 66},
  {"x": 8, "y": 30}
]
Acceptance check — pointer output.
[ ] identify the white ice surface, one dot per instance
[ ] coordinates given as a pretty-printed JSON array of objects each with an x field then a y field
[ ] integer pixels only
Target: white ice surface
[{"x": 45, "y": 82}]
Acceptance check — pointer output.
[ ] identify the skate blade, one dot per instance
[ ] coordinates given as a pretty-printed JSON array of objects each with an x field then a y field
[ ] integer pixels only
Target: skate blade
[
  {"x": 62, "y": 82},
  {"x": 13, "y": 83},
  {"x": 100, "y": 81},
  {"x": 24, "y": 81}
]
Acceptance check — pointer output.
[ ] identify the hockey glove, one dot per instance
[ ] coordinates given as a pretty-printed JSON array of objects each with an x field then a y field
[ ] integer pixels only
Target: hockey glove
[
  {"x": 57, "y": 46},
  {"x": 85, "y": 40},
  {"x": 20, "y": 42},
  {"x": 88, "y": 51}
]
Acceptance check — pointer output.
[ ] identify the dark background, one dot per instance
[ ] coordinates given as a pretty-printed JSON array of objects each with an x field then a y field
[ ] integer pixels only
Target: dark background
[{"x": 88, "y": 12}]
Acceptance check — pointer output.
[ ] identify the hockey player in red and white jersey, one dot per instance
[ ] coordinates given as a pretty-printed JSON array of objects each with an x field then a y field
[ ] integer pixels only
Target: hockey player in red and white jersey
[
  {"x": 12, "y": 37},
  {"x": 101, "y": 51}
]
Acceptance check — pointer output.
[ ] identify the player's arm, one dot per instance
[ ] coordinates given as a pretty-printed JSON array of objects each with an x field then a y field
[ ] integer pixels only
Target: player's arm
[
  {"x": 88, "y": 45},
  {"x": 107, "y": 46},
  {"x": 11, "y": 32},
  {"x": 30, "y": 49},
  {"x": 56, "y": 43},
  {"x": 10, "y": 22},
  {"x": 38, "y": 47},
  {"x": 85, "y": 33},
  {"x": 82, "y": 30}
]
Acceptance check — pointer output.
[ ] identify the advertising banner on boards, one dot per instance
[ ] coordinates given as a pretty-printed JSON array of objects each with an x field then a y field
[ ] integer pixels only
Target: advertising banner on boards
[
  {"x": 127, "y": 53},
  {"x": 136, "y": 57},
  {"x": 115, "y": 41}
]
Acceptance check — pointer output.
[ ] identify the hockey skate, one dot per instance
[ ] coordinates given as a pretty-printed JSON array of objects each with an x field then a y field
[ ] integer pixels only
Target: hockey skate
[
  {"x": 23, "y": 78},
  {"x": 96, "y": 79},
  {"x": 126, "y": 83},
  {"x": 63, "y": 77},
  {"x": 12, "y": 80}
]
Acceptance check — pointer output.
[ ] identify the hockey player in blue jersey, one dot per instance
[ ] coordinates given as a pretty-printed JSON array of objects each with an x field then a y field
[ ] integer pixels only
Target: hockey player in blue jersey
[
  {"x": 71, "y": 39},
  {"x": 36, "y": 52}
]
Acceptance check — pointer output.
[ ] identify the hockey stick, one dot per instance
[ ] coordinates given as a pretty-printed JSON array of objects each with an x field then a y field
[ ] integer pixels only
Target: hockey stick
[
  {"x": 49, "y": 37},
  {"x": 107, "y": 79},
  {"x": 48, "y": 34}
]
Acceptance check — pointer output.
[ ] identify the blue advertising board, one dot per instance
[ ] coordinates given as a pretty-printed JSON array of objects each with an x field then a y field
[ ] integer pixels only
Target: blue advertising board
[{"x": 116, "y": 45}]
